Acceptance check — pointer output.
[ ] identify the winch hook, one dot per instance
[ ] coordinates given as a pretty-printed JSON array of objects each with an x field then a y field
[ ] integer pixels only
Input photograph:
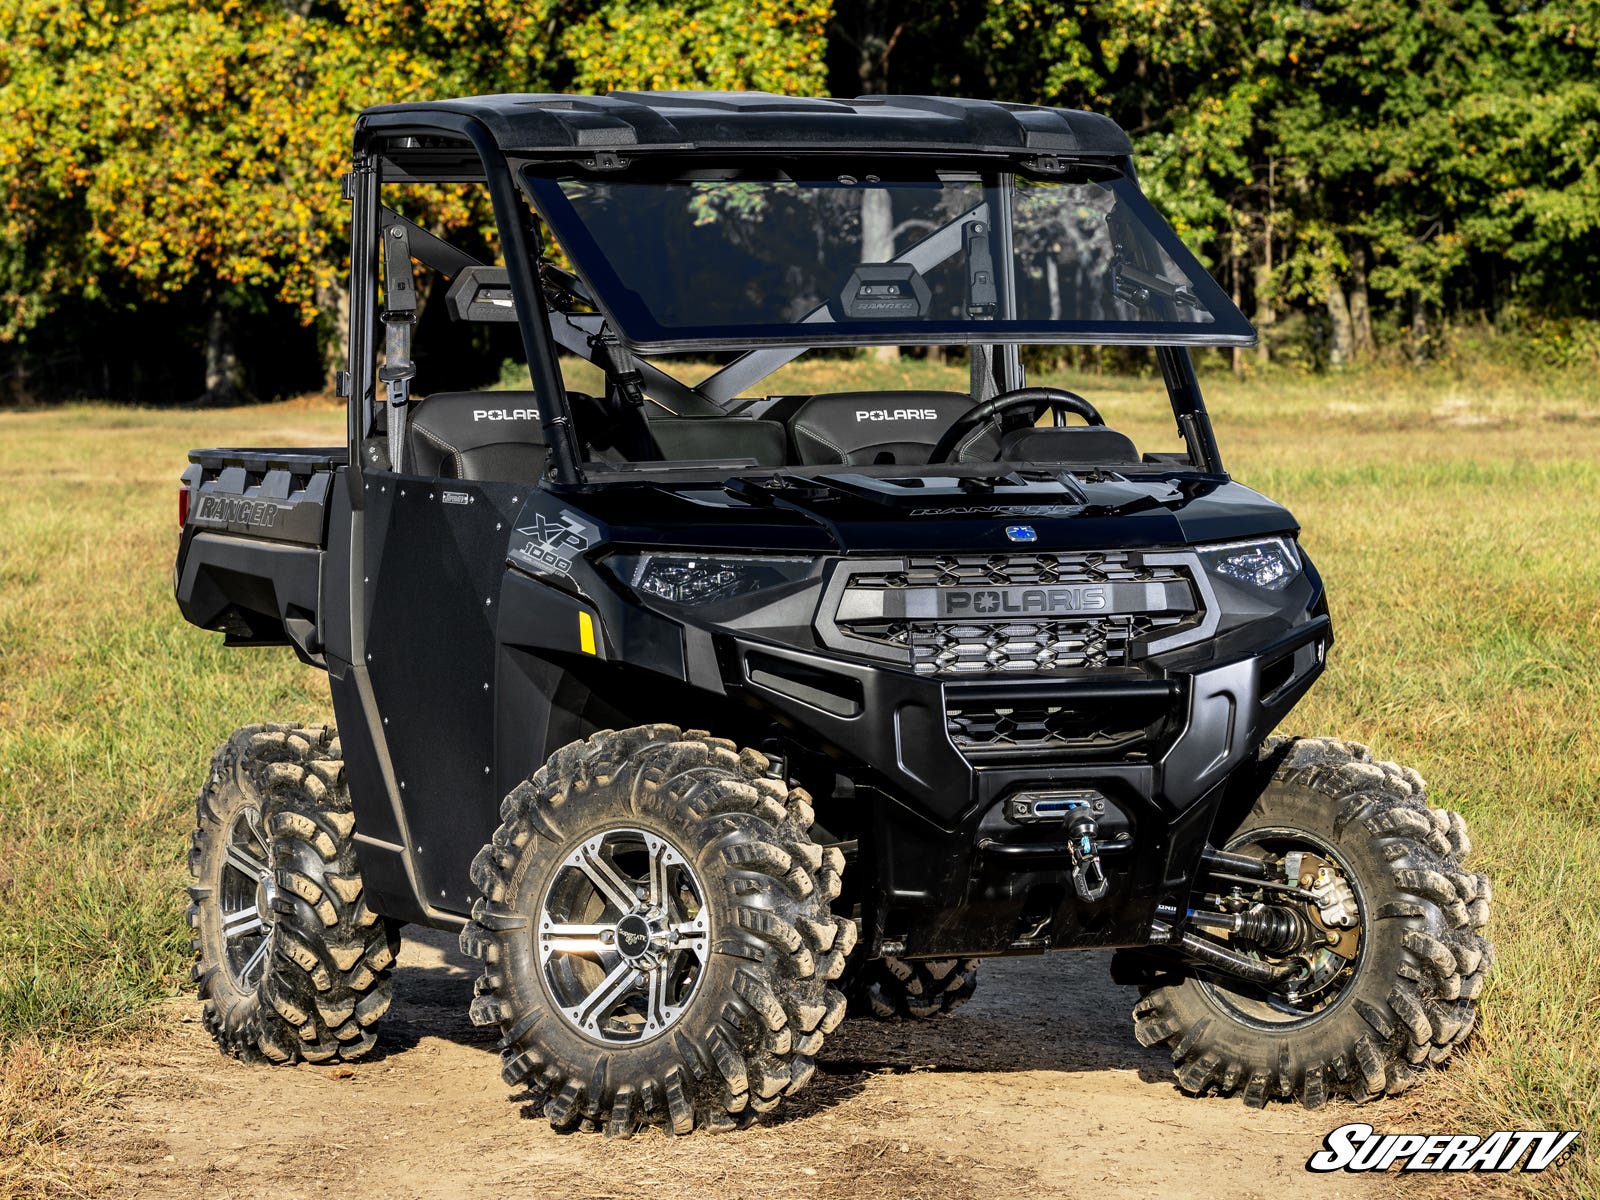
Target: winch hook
[{"x": 1088, "y": 876}]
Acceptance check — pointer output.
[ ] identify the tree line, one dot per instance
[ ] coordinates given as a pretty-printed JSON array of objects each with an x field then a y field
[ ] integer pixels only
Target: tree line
[{"x": 1359, "y": 175}]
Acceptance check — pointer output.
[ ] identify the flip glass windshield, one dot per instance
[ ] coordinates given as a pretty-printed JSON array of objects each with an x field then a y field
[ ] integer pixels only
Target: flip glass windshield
[{"x": 726, "y": 260}]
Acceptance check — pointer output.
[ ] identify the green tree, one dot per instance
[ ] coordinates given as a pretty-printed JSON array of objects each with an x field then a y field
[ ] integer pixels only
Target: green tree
[
  {"x": 1344, "y": 157},
  {"x": 167, "y": 149}
]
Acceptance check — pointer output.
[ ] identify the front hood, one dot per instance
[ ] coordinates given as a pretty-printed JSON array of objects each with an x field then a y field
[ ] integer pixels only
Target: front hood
[{"x": 849, "y": 512}]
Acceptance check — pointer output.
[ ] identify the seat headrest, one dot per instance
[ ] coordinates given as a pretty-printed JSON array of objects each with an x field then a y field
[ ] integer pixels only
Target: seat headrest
[
  {"x": 477, "y": 435},
  {"x": 1074, "y": 445},
  {"x": 859, "y": 427}
]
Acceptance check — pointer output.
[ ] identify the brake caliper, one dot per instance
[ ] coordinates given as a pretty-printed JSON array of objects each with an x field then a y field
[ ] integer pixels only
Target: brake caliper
[{"x": 1335, "y": 910}]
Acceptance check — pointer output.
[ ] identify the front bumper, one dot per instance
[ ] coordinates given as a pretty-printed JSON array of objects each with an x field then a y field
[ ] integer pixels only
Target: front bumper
[{"x": 951, "y": 872}]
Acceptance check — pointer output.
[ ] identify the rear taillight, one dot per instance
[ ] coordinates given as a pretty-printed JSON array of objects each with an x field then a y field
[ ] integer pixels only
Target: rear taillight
[{"x": 183, "y": 506}]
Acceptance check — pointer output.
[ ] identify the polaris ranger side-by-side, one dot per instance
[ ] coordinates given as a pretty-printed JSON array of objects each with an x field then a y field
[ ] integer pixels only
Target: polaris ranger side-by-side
[{"x": 706, "y": 713}]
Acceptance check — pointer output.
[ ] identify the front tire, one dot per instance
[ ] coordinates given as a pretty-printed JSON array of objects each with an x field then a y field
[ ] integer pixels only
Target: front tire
[
  {"x": 1403, "y": 1004},
  {"x": 655, "y": 931},
  {"x": 290, "y": 961}
]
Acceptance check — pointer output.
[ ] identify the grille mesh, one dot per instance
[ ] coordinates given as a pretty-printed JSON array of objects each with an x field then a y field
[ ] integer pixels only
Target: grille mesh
[
  {"x": 1012, "y": 647},
  {"x": 978, "y": 728}
]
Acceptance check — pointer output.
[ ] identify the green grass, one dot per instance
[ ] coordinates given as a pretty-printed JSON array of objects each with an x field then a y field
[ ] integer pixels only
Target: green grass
[
  {"x": 109, "y": 707},
  {"x": 1454, "y": 519}
]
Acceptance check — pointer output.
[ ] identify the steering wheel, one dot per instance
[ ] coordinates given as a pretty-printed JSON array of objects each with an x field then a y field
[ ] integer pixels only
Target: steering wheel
[{"x": 1059, "y": 401}]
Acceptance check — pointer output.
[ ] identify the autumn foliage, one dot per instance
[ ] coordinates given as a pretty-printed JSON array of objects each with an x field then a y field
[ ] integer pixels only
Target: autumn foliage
[{"x": 1356, "y": 173}]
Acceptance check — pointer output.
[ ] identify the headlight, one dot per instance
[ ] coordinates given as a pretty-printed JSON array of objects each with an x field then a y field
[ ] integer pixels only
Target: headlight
[
  {"x": 705, "y": 578},
  {"x": 1270, "y": 563}
]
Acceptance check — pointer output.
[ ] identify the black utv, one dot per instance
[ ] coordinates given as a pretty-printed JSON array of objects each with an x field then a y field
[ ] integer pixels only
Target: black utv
[{"x": 707, "y": 713}]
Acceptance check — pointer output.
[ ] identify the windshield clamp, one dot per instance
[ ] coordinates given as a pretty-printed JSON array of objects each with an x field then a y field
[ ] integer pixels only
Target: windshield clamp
[{"x": 1045, "y": 164}]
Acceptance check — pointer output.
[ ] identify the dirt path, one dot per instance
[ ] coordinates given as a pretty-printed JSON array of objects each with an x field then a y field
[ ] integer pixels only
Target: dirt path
[{"x": 1036, "y": 1088}]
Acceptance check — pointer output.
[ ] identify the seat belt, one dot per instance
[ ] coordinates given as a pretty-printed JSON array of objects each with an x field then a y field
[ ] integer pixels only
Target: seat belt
[{"x": 399, "y": 322}]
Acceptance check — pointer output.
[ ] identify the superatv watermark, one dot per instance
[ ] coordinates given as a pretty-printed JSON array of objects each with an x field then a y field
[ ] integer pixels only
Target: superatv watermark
[{"x": 1358, "y": 1147}]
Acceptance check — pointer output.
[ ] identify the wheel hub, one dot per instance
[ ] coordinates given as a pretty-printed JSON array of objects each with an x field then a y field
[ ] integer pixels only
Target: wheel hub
[
  {"x": 266, "y": 894},
  {"x": 635, "y": 937},
  {"x": 623, "y": 936}
]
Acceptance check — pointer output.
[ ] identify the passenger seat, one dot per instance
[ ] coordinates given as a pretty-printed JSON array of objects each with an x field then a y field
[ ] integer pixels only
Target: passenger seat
[{"x": 477, "y": 435}]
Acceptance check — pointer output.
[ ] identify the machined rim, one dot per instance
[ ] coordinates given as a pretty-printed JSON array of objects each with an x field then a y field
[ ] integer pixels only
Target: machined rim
[
  {"x": 247, "y": 894},
  {"x": 623, "y": 936},
  {"x": 1330, "y": 976}
]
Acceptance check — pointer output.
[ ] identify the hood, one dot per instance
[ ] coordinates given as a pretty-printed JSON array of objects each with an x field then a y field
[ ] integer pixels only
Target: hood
[{"x": 843, "y": 512}]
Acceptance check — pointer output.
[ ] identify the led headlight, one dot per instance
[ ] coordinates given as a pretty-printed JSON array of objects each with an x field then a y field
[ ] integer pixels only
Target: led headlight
[
  {"x": 705, "y": 578},
  {"x": 1270, "y": 563}
]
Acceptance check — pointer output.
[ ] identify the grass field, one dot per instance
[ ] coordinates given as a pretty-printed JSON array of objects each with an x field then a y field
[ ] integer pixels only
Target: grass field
[{"x": 1456, "y": 521}]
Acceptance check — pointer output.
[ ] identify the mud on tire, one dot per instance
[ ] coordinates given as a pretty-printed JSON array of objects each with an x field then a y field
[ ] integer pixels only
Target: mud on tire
[
  {"x": 290, "y": 961},
  {"x": 1409, "y": 1003},
  {"x": 760, "y": 1000},
  {"x": 917, "y": 989}
]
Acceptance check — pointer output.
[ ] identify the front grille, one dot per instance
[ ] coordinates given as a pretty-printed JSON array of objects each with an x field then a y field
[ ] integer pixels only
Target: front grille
[
  {"x": 1012, "y": 647},
  {"x": 979, "y": 728},
  {"x": 1011, "y": 615}
]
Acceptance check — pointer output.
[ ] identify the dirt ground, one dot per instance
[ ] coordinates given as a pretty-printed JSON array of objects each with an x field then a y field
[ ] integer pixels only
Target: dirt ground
[{"x": 1036, "y": 1088}]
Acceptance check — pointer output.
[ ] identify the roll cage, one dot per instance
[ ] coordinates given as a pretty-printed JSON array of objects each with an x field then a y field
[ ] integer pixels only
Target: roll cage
[{"x": 489, "y": 141}]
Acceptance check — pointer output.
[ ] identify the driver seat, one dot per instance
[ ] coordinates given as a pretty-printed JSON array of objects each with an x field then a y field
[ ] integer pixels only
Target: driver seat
[{"x": 884, "y": 428}]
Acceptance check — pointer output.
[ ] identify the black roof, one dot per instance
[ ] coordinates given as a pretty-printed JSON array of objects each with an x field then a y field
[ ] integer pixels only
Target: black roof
[{"x": 754, "y": 121}]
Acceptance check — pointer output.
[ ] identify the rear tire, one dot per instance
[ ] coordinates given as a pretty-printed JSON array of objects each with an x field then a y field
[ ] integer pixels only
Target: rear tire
[
  {"x": 892, "y": 989},
  {"x": 656, "y": 937},
  {"x": 291, "y": 963},
  {"x": 1407, "y": 1001}
]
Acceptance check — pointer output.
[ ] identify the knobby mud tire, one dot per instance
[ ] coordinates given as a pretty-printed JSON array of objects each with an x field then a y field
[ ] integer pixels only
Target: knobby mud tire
[
  {"x": 748, "y": 1037},
  {"x": 1410, "y": 1003},
  {"x": 325, "y": 981},
  {"x": 891, "y": 989}
]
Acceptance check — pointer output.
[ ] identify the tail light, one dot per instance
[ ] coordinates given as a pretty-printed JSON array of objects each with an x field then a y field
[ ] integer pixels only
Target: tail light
[{"x": 183, "y": 506}]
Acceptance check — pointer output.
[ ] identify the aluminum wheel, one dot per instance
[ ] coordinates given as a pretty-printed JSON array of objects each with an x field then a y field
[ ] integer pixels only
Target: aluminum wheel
[
  {"x": 247, "y": 894},
  {"x": 623, "y": 936}
]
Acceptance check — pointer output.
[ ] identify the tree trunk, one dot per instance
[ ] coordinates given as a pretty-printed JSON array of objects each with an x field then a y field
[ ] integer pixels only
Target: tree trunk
[
  {"x": 224, "y": 372},
  {"x": 877, "y": 244},
  {"x": 333, "y": 331},
  {"x": 1261, "y": 281},
  {"x": 1360, "y": 312},
  {"x": 1238, "y": 301},
  {"x": 1419, "y": 329},
  {"x": 1339, "y": 325},
  {"x": 1266, "y": 316},
  {"x": 1052, "y": 281}
]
